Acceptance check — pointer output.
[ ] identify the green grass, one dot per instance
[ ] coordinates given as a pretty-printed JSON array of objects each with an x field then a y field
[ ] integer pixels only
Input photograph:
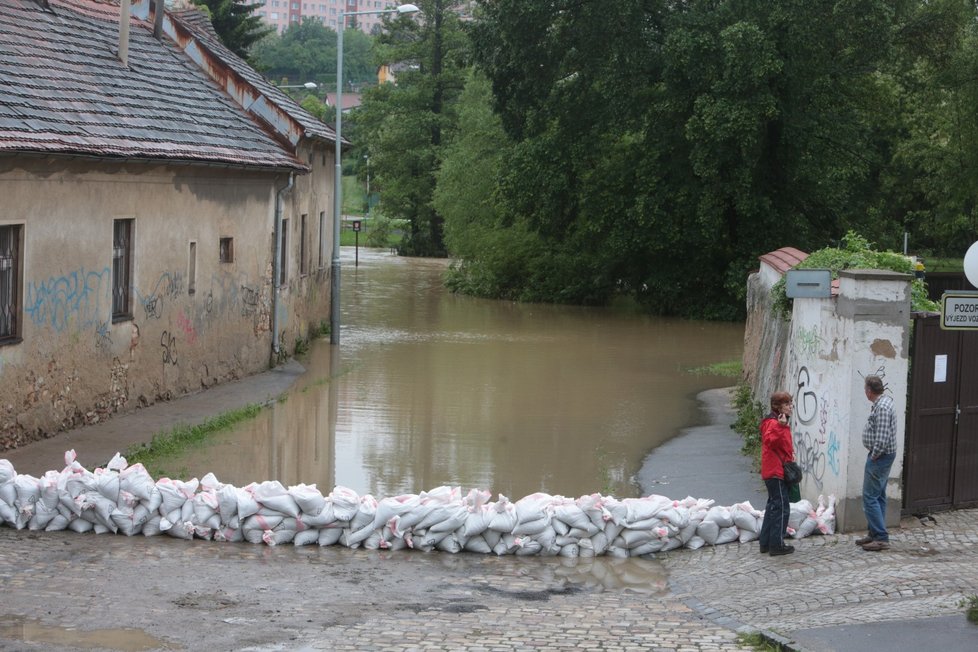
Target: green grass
[
  {"x": 970, "y": 606},
  {"x": 167, "y": 444},
  {"x": 731, "y": 369},
  {"x": 758, "y": 642},
  {"x": 354, "y": 196},
  {"x": 943, "y": 264}
]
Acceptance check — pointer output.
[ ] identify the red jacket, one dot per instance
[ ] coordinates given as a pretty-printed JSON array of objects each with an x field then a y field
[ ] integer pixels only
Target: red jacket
[{"x": 776, "y": 447}]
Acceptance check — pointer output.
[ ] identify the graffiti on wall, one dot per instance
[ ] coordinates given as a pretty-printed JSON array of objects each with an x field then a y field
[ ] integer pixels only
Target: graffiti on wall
[
  {"x": 187, "y": 328},
  {"x": 168, "y": 285},
  {"x": 78, "y": 298},
  {"x": 169, "y": 345},
  {"x": 817, "y": 445},
  {"x": 103, "y": 340}
]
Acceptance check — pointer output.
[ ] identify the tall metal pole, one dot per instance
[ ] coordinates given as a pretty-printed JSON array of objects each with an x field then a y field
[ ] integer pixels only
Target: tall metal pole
[
  {"x": 334, "y": 296},
  {"x": 334, "y": 292}
]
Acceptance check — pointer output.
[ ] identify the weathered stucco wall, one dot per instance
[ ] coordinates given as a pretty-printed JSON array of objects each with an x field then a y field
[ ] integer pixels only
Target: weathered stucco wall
[
  {"x": 192, "y": 325},
  {"x": 828, "y": 348}
]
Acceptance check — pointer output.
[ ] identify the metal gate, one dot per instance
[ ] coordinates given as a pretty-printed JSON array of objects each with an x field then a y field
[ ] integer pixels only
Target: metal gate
[{"x": 941, "y": 452}]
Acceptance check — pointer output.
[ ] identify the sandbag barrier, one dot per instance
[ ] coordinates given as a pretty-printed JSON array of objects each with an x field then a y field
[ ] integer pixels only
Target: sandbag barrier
[{"x": 125, "y": 499}]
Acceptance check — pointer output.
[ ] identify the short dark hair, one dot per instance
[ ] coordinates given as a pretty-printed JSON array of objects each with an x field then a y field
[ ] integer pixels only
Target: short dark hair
[
  {"x": 778, "y": 400},
  {"x": 874, "y": 384}
]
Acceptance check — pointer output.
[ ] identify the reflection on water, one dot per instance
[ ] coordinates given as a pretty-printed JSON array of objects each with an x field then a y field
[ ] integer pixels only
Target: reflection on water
[
  {"x": 126, "y": 640},
  {"x": 428, "y": 388}
]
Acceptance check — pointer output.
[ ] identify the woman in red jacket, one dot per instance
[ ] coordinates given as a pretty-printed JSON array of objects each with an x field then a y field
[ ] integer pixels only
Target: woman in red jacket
[{"x": 776, "y": 448}]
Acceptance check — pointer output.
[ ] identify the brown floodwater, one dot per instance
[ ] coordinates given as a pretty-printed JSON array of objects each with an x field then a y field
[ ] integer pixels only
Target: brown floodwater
[{"x": 428, "y": 388}]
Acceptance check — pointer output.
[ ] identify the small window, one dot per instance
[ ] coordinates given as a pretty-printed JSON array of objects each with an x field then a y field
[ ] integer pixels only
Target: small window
[
  {"x": 303, "y": 254},
  {"x": 227, "y": 250},
  {"x": 122, "y": 254},
  {"x": 283, "y": 275},
  {"x": 10, "y": 264},
  {"x": 322, "y": 238},
  {"x": 192, "y": 275}
]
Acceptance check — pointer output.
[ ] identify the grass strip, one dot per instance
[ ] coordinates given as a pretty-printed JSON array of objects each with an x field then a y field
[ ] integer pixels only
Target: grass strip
[{"x": 169, "y": 443}]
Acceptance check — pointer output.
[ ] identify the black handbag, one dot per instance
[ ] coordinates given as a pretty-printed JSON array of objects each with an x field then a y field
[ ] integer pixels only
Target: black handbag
[{"x": 792, "y": 473}]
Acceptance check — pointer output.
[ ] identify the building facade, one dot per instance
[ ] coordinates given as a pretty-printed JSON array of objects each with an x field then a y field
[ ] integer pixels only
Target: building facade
[{"x": 165, "y": 214}]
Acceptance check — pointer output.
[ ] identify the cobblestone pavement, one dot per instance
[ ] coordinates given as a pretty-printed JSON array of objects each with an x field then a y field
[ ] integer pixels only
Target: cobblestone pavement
[
  {"x": 63, "y": 590},
  {"x": 930, "y": 567}
]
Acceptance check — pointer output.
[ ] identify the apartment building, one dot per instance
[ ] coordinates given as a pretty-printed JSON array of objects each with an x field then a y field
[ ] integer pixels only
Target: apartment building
[{"x": 282, "y": 13}]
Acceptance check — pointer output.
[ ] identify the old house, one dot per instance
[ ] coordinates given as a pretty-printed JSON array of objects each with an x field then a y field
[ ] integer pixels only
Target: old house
[{"x": 165, "y": 218}]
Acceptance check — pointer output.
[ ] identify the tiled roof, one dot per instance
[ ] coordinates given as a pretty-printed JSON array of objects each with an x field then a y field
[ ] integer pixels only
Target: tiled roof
[
  {"x": 63, "y": 90},
  {"x": 781, "y": 260},
  {"x": 192, "y": 19},
  {"x": 785, "y": 258}
]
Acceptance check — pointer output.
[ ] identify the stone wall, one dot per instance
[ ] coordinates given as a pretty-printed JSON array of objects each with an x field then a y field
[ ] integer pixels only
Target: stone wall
[{"x": 831, "y": 345}]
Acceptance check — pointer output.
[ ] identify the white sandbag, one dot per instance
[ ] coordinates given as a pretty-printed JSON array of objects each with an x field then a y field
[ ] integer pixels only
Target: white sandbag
[
  {"x": 745, "y": 517},
  {"x": 175, "y": 493},
  {"x": 504, "y": 516},
  {"x": 635, "y": 538},
  {"x": 117, "y": 463},
  {"x": 7, "y": 473},
  {"x": 330, "y": 536},
  {"x": 614, "y": 510},
  {"x": 449, "y": 544},
  {"x": 708, "y": 531},
  {"x": 325, "y": 518},
  {"x": 308, "y": 497},
  {"x": 748, "y": 535},
  {"x": 81, "y": 525},
  {"x": 306, "y": 538},
  {"x": 643, "y": 509},
  {"x": 155, "y": 500},
  {"x": 677, "y": 516},
  {"x": 247, "y": 505},
  {"x": 798, "y": 512},
  {"x": 727, "y": 535},
  {"x": 226, "y": 534},
  {"x": 227, "y": 502},
  {"x": 392, "y": 506},
  {"x": 695, "y": 543},
  {"x": 7, "y": 513},
  {"x": 151, "y": 528},
  {"x": 206, "y": 506},
  {"x": 28, "y": 492},
  {"x": 274, "y": 495},
  {"x": 571, "y": 551},
  {"x": 107, "y": 484},
  {"x": 719, "y": 515},
  {"x": 43, "y": 515},
  {"x": 826, "y": 517},
  {"x": 648, "y": 548},
  {"x": 346, "y": 502},
  {"x": 672, "y": 543},
  {"x": 477, "y": 521},
  {"x": 137, "y": 481},
  {"x": 477, "y": 543},
  {"x": 49, "y": 488},
  {"x": 598, "y": 543},
  {"x": 58, "y": 523}
]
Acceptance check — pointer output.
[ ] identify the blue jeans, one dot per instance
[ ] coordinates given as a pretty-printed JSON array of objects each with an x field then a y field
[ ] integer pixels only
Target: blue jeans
[
  {"x": 874, "y": 494},
  {"x": 775, "y": 515}
]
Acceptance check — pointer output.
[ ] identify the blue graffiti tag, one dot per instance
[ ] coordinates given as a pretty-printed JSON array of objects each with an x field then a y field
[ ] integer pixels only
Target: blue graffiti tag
[
  {"x": 832, "y": 452},
  {"x": 75, "y": 298}
]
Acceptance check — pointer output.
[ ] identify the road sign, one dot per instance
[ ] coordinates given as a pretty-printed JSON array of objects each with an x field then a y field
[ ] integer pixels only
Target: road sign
[
  {"x": 959, "y": 311},
  {"x": 356, "y": 225}
]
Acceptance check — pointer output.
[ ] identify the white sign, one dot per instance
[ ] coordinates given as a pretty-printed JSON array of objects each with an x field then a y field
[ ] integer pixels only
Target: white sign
[
  {"x": 940, "y": 368},
  {"x": 971, "y": 264},
  {"x": 960, "y": 311}
]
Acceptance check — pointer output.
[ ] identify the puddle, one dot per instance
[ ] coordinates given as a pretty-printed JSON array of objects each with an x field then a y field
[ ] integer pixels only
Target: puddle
[{"x": 124, "y": 640}]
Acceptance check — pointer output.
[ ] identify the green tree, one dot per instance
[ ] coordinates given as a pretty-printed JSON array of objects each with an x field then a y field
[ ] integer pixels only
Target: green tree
[
  {"x": 236, "y": 23},
  {"x": 660, "y": 148},
  {"x": 404, "y": 126},
  {"x": 306, "y": 52}
]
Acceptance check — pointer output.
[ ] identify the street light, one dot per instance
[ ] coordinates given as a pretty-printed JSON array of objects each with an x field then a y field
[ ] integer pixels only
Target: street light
[
  {"x": 334, "y": 309},
  {"x": 309, "y": 85}
]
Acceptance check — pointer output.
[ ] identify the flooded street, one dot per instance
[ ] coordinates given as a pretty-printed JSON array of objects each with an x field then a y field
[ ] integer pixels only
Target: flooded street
[{"x": 429, "y": 388}]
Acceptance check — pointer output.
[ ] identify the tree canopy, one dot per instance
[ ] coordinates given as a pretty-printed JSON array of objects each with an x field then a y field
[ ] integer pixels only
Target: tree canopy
[
  {"x": 236, "y": 23},
  {"x": 306, "y": 52},
  {"x": 657, "y": 150}
]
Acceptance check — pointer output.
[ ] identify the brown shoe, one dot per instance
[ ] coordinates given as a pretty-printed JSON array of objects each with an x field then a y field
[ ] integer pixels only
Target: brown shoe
[
  {"x": 876, "y": 546},
  {"x": 862, "y": 541}
]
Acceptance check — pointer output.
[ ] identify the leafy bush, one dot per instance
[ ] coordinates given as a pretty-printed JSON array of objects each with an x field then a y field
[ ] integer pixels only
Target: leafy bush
[
  {"x": 856, "y": 253},
  {"x": 747, "y": 424}
]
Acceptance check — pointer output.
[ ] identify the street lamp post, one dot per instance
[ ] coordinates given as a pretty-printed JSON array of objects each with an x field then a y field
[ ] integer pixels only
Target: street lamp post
[
  {"x": 334, "y": 309},
  {"x": 308, "y": 85}
]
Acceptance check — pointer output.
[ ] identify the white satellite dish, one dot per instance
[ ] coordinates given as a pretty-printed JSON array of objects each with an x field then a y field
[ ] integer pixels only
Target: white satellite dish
[{"x": 971, "y": 264}]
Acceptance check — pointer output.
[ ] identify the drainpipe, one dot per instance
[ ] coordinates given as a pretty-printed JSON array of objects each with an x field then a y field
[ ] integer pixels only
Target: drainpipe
[
  {"x": 124, "y": 32},
  {"x": 277, "y": 267}
]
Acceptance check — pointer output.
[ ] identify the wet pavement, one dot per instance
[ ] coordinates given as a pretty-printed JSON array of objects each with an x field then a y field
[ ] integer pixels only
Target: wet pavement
[{"x": 68, "y": 591}]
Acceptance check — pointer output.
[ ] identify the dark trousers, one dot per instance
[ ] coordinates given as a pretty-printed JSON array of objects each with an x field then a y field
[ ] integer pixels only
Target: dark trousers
[{"x": 775, "y": 514}]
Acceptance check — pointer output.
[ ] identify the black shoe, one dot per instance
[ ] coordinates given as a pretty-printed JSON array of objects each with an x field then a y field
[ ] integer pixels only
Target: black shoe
[
  {"x": 763, "y": 550},
  {"x": 786, "y": 550}
]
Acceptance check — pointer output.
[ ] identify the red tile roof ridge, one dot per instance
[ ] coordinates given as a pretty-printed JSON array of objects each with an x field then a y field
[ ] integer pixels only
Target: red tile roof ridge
[{"x": 783, "y": 259}]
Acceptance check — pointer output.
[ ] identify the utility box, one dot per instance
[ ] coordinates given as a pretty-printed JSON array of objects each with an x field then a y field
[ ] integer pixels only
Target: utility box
[{"x": 808, "y": 283}]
